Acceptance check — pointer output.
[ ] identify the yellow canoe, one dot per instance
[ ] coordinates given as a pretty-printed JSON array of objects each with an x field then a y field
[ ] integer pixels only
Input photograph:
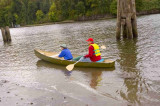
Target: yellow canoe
[{"x": 53, "y": 58}]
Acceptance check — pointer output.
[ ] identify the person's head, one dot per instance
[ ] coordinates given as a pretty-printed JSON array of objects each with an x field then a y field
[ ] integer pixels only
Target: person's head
[
  {"x": 90, "y": 41},
  {"x": 63, "y": 46}
]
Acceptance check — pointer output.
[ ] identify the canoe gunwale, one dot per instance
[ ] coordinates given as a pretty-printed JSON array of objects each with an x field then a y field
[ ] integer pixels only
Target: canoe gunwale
[{"x": 67, "y": 62}]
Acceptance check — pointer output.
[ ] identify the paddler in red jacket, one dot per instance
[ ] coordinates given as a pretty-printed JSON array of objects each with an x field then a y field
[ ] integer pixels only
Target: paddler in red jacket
[{"x": 94, "y": 54}]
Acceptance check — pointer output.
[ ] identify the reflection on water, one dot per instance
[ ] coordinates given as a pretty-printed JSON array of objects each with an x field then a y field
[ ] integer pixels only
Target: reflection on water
[
  {"x": 95, "y": 73},
  {"x": 128, "y": 57},
  {"x": 96, "y": 78},
  {"x": 134, "y": 80},
  {"x": 41, "y": 63}
]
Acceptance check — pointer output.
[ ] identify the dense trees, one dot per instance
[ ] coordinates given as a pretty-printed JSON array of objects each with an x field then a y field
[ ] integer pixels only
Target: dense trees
[
  {"x": 113, "y": 7},
  {"x": 53, "y": 15},
  {"x": 39, "y": 11}
]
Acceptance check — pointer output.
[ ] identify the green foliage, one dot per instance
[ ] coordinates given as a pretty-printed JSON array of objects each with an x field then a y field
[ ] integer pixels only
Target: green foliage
[
  {"x": 32, "y": 9},
  {"x": 150, "y": 5},
  {"x": 5, "y": 16},
  {"x": 64, "y": 8},
  {"x": 39, "y": 15},
  {"x": 139, "y": 4},
  {"x": 46, "y": 6},
  {"x": 16, "y": 17},
  {"x": 104, "y": 6},
  {"x": 80, "y": 9},
  {"x": 113, "y": 7},
  {"x": 53, "y": 12},
  {"x": 38, "y": 11}
]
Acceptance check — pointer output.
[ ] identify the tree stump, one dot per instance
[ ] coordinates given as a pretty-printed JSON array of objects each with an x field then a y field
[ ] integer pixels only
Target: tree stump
[
  {"x": 126, "y": 19},
  {"x": 4, "y": 34},
  {"x": 8, "y": 35}
]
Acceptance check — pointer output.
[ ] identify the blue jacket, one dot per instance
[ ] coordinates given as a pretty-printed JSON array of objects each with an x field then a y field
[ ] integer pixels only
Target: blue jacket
[{"x": 66, "y": 53}]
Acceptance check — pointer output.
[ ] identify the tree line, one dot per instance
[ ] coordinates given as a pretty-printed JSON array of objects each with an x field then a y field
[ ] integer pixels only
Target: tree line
[{"x": 25, "y": 12}]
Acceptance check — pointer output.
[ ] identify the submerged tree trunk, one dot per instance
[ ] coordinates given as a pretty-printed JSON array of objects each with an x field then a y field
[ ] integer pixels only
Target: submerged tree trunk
[
  {"x": 126, "y": 19},
  {"x": 6, "y": 34}
]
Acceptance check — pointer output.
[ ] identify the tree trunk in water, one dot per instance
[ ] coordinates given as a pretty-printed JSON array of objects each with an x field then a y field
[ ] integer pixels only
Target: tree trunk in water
[
  {"x": 134, "y": 20},
  {"x": 4, "y": 34},
  {"x": 124, "y": 28},
  {"x": 126, "y": 19},
  {"x": 8, "y": 35},
  {"x": 118, "y": 33}
]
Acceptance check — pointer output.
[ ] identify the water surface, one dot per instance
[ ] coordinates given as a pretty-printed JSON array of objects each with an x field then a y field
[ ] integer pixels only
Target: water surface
[{"x": 135, "y": 80}]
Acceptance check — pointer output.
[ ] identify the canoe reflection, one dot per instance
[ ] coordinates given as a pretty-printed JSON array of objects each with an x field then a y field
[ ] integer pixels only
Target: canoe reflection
[
  {"x": 41, "y": 63},
  {"x": 94, "y": 73}
]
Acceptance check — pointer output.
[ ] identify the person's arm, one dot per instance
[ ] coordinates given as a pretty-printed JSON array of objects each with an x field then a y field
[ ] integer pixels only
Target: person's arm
[
  {"x": 61, "y": 54},
  {"x": 90, "y": 54}
]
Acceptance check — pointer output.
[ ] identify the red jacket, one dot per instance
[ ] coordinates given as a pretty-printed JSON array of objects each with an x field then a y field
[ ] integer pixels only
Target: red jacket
[{"x": 91, "y": 55}]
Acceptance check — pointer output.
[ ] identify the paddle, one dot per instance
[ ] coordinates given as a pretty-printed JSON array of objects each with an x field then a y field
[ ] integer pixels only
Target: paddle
[
  {"x": 103, "y": 47},
  {"x": 71, "y": 66}
]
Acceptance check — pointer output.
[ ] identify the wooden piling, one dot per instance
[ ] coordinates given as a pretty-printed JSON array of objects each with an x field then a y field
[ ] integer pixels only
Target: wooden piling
[
  {"x": 6, "y": 34},
  {"x": 124, "y": 28},
  {"x": 126, "y": 19},
  {"x": 134, "y": 20},
  {"x": 118, "y": 33}
]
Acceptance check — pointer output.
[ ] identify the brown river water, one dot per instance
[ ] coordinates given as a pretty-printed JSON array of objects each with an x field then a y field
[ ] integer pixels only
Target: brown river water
[{"x": 135, "y": 80}]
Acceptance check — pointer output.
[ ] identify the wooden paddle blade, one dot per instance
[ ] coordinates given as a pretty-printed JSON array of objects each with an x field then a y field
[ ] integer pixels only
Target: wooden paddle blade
[
  {"x": 103, "y": 47},
  {"x": 70, "y": 67}
]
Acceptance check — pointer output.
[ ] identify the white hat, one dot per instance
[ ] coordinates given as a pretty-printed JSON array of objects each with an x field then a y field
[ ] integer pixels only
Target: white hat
[{"x": 64, "y": 46}]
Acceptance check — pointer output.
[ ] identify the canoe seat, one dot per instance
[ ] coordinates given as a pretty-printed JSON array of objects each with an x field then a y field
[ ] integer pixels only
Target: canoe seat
[{"x": 102, "y": 60}]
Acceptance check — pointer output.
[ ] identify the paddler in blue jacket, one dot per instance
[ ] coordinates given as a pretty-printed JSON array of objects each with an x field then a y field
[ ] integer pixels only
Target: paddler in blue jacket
[{"x": 66, "y": 53}]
